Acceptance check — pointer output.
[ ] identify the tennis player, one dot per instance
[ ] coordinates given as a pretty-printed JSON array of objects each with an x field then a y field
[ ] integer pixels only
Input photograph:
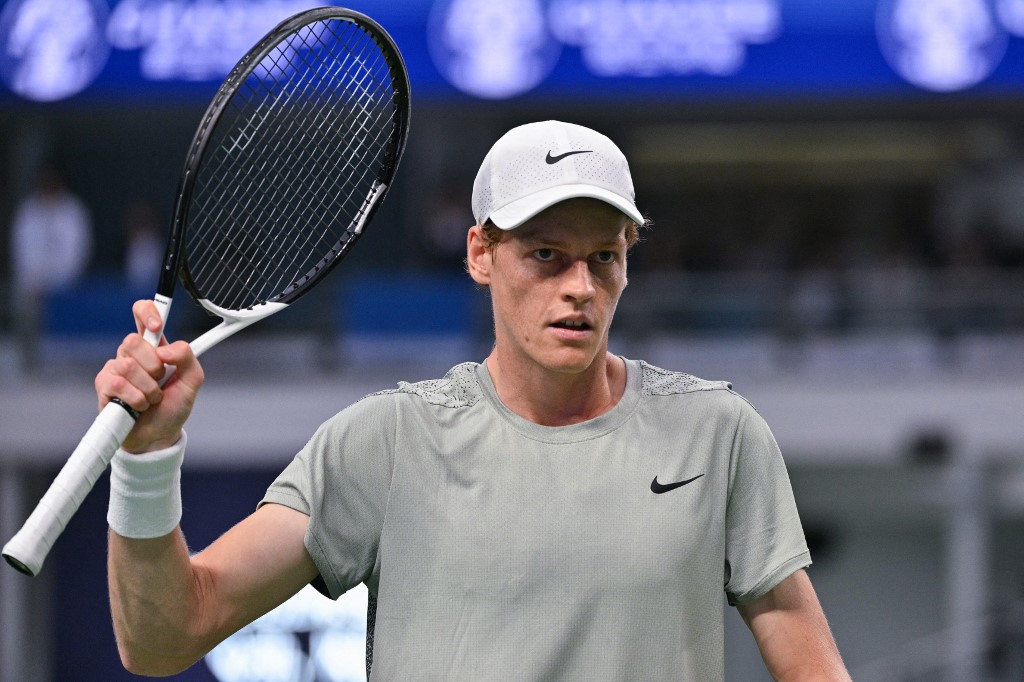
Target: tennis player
[{"x": 554, "y": 512}]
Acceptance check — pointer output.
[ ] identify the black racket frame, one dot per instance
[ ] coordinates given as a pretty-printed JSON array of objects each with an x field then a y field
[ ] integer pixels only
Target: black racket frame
[{"x": 175, "y": 255}]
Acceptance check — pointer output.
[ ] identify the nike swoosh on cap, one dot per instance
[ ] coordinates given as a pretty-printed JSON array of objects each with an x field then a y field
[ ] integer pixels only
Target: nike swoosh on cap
[
  {"x": 558, "y": 157},
  {"x": 659, "y": 488}
]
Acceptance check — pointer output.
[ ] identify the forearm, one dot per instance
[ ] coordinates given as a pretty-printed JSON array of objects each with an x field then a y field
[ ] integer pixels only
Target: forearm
[
  {"x": 170, "y": 608},
  {"x": 798, "y": 655},
  {"x": 793, "y": 635},
  {"x": 155, "y": 594},
  {"x": 155, "y": 601}
]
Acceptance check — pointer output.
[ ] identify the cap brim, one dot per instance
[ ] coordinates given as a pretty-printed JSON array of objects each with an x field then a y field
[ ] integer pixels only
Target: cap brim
[{"x": 512, "y": 215}]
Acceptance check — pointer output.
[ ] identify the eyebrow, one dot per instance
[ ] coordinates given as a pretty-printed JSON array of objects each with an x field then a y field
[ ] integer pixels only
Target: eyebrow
[{"x": 532, "y": 237}]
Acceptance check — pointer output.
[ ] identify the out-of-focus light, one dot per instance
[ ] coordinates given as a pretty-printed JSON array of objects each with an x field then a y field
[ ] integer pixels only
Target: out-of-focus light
[
  {"x": 665, "y": 37},
  {"x": 253, "y": 656},
  {"x": 195, "y": 41},
  {"x": 941, "y": 45},
  {"x": 492, "y": 50},
  {"x": 1011, "y": 15},
  {"x": 338, "y": 655},
  {"x": 499, "y": 50},
  {"x": 271, "y": 649},
  {"x": 52, "y": 49}
]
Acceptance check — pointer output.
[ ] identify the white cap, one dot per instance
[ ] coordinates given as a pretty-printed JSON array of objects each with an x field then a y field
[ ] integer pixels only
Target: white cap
[{"x": 537, "y": 165}]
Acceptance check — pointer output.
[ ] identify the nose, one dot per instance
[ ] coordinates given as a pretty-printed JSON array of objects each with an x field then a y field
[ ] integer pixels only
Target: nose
[{"x": 579, "y": 282}]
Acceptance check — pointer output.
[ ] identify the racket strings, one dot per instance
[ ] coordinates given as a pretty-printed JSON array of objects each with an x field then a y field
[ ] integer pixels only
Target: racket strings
[
  {"x": 293, "y": 162},
  {"x": 289, "y": 169}
]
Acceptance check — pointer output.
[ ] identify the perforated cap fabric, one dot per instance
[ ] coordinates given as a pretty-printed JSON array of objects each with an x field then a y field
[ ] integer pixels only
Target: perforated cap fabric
[{"x": 537, "y": 165}]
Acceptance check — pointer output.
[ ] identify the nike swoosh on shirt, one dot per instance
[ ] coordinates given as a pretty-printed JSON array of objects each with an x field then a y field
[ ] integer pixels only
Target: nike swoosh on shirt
[
  {"x": 659, "y": 488},
  {"x": 555, "y": 159}
]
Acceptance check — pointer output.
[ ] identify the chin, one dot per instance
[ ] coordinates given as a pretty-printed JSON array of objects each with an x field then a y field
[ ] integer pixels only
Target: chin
[{"x": 571, "y": 362}]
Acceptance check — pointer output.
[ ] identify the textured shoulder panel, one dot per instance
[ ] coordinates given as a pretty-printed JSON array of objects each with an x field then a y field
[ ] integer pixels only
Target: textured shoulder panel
[
  {"x": 458, "y": 388},
  {"x": 657, "y": 381}
]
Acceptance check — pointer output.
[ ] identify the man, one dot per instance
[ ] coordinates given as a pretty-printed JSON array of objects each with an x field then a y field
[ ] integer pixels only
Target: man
[
  {"x": 51, "y": 242},
  {"x": 555, "y": 512}
]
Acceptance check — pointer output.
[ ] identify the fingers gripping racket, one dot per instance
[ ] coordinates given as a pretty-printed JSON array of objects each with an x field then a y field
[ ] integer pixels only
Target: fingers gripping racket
[{"x": 290, "y": 162}]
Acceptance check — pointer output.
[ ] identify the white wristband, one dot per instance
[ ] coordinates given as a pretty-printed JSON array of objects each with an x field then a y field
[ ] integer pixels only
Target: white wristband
[{"x": 145, "y": 492}]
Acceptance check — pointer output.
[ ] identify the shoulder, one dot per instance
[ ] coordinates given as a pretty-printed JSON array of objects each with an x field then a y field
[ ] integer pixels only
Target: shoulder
[
  {"x": 656, "y": 381},
  {"x": 716, "y": 396},
  {"x": 373, "y": 418},
  {"x": 459, "y": 387}
]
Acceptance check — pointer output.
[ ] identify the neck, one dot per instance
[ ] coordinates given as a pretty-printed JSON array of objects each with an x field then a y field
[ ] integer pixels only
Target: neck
[{"x": 559, "y": 399}]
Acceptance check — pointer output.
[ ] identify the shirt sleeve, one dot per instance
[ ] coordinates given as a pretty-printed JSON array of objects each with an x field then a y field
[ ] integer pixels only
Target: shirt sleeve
[
  {"x": 341, "y": 479},
  {"x": 764, "y": 537}
]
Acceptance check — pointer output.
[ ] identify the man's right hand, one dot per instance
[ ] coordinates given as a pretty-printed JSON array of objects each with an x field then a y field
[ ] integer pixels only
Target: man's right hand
[{"x": 134, "y": 375}]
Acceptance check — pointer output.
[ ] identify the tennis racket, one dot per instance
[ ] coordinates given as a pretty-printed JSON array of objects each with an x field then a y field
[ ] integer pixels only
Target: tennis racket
[{"x": 291, "y": 160}]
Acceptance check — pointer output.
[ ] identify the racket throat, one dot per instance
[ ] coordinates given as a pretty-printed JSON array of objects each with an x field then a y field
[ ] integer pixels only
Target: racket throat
[{"x": 233, "y": 322}]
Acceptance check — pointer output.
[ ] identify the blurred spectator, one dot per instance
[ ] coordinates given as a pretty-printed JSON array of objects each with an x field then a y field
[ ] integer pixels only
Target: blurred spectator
[
  {"x": 51, "y": 245},
  {"x": 444, "y": 232},
  {"x": 144, "y": 245},
  {"x": 979, "y": 211}
]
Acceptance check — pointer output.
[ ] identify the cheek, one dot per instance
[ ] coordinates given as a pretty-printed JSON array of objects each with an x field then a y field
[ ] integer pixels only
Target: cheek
[
  {"x": 614, "y": 284},
  {"x": 519, "y": 304},
  {"x": 516, "y": 282}
]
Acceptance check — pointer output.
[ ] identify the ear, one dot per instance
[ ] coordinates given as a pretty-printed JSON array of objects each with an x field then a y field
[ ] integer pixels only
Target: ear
[{"x": 478, "y": 256}]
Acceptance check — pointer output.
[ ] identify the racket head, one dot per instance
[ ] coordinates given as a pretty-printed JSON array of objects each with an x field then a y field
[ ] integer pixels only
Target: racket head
[{"x": 290, "y": 162}]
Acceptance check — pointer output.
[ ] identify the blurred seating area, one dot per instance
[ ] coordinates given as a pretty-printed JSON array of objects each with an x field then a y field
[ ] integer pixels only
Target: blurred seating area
[
  {"x": 914, "y": 322},
  {"x": 861, "y": 244}
]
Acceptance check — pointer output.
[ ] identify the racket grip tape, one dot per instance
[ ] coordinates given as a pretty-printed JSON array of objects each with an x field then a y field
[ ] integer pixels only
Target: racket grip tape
[{"x": 28, "y": 549}]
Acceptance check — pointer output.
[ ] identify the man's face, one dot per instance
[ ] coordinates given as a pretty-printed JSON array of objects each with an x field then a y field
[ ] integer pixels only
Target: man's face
[{"x": 555, "y": 282}]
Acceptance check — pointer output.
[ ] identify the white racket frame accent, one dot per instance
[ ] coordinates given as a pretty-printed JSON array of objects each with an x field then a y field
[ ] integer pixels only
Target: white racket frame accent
[{"x": 233, "y": 321}]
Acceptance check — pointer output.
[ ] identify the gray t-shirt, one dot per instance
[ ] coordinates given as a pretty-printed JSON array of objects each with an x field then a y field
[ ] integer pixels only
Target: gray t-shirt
[{"x": 502, "y": 549}]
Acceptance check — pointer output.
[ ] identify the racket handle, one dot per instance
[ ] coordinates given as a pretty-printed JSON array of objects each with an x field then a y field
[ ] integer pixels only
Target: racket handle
[
  {"x": 163, "y": 306},
  {"x": 27, "y": 550}
]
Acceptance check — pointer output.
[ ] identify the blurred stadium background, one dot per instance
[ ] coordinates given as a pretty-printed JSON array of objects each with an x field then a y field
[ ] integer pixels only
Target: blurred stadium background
[{"x": 837, "y": 188}]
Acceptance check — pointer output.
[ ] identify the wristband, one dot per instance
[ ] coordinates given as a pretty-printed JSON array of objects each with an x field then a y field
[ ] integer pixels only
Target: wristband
[{"x": 145, "y": 492}]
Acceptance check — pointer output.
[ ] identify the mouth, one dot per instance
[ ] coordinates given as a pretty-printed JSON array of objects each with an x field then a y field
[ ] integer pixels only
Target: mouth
[{"x": 572, "y": 325}]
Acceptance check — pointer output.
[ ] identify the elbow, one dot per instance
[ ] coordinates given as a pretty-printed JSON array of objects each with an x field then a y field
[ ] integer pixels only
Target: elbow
[
  {"x": 158, "y": 641},
  {"x": 149, "y": 667},
  {"x": 140, "y": 661},
  {"x": 145, "y": 668}
]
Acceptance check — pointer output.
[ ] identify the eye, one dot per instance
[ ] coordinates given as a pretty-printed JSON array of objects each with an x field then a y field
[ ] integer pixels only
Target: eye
[
  {"x": 605, "y": 257},
  {"x": 545, "y": 255}
]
